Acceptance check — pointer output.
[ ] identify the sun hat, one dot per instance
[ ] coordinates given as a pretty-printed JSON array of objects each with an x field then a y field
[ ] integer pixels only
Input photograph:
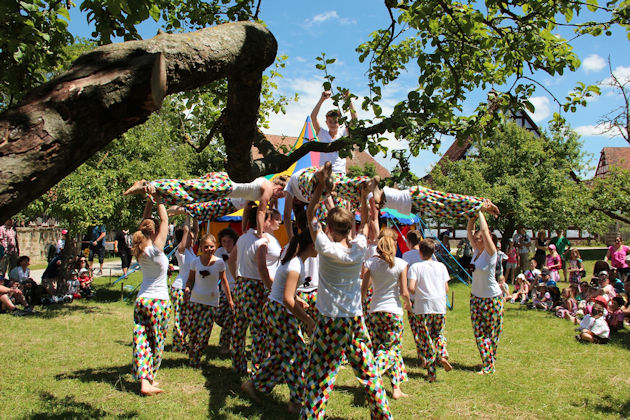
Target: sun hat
[
  {"x": 552, "y": 246},
  {"x": 64, "y": 231}
]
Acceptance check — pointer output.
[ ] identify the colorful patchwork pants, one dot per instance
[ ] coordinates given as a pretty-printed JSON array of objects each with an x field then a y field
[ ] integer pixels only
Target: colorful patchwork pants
[
  {"x": 431, "y": 343},
  {"x": 311, "y": 299},
  {"x": 212, "y": 186},
  {"x": 348, "y": 188},
  {"x": 250, "y": 296},
  {"x": 288, "y": 353},
  {"x": 439, "y": 204},
  {"x": 210, "y": 210},
  {"x": 486, "y": 315},
  {"x": 178, "y": 316},
  {"x": 150, "y": 324},
  {"x": 413, "y": 324},
  {"x": 386, "y": 332},
  {"x": 226, "y": 321},
  {"x": 331, "y": 337},
  {"x": 201, "y": 318}
]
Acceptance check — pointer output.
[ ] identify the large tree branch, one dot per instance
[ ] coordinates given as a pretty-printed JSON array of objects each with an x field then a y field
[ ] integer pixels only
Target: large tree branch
[{"x": 62, "y": 123}]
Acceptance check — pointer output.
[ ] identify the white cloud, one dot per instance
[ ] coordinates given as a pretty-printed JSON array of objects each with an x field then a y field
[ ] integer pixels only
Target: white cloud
[
  {"x": 542, "y": 108},
  {"x": 330, "y": 15},
  {"x": 600, "y": 130},
  {"x": 621, "y": 73},
  {"x": 300, "y": 59},
  {"x": 593, "y": 63}
]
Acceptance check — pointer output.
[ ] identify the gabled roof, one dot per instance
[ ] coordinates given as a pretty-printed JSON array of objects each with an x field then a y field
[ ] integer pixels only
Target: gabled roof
[
  {"x": 359, "y": 159},
  {"x": 618, "y": 157}
]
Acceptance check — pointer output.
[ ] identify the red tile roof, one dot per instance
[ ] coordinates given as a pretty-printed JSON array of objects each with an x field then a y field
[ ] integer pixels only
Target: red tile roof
[
  {"x": 613, "y": 156},
  {"x": 359, "y": 159}
]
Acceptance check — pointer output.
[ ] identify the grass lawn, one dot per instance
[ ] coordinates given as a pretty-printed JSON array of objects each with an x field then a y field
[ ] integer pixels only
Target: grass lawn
[{"x": 74, "y": 361}]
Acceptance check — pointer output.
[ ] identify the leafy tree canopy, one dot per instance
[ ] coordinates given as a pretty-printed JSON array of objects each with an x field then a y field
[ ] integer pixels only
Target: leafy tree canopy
[{"x": 528, "y": 177}]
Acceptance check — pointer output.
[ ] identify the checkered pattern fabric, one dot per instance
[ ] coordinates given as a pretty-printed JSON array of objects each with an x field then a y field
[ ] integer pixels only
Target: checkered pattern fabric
[
  {"x": 250, "y": 296},
  {"x": 431, "y": 343},
  {"x": 386, "y": 332},
  {"x": 333, "y": 336},
  {"x": 212, "y": 186},
  {"x": 210, "y": 210},
  {"x": 486, "y": 315},
  {"x": 201, "y": 319},
  {"x": 433, "y": 203},
  {"x": 288, "y": 353},
  {"x": 225, "y": 320},
  {"x": 178, "y": 316},
  {"x": 150, "y": 324}
]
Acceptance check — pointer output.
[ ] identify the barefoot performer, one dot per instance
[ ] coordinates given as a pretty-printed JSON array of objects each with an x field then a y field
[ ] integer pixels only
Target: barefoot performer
[
  {"x": 215, "y": 186},
  {"x": 152, "y": 307}
]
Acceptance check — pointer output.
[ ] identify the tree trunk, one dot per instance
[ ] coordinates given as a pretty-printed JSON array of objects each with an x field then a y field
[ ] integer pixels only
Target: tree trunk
[{"x": 107, "y": 91}]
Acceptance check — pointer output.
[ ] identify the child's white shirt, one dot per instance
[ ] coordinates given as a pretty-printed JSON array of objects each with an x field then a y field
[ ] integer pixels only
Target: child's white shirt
[
  {"x": 597, "y": 326},
  {"x": 431, "y": 278},
  {"x": 386, "y": 293},
  {"x": 339, "y": 291}
]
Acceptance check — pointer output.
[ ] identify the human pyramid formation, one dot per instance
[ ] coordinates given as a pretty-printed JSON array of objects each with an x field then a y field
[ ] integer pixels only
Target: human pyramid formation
[{"x": 338, "y": 284}]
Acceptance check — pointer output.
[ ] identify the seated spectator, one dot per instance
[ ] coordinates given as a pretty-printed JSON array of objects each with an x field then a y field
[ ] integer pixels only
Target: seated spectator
[
  {"x": 568, "y": 305},
  {"x": 51, "y": 276},
  {"x": 13, "y": 296},
  {"x": 533, "y": 275},
  {"x": 608, "y": 291},
  {"x": 616, "y": 314},
  {"x": 505, "y": 289},
  {"x": 593, "y": 328},
  {"x": 22, "y": 275},
  {"x": 521, "y": 290},
  {"x": 541, "y": 299},
  {"x": 85, "y": 282},
  {"x": 73, "y": 286}
]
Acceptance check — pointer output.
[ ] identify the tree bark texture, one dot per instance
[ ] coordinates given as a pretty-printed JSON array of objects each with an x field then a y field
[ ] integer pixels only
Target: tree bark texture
[{"x": 59, "y": 125}]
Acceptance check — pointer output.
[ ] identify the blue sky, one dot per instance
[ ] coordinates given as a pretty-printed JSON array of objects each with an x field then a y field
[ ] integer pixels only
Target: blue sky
[{"x": 306, "y": 29}]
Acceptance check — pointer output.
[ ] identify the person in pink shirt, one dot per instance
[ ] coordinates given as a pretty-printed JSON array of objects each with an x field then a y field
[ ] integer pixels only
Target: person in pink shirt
[
  {"x": 9, "y": 241},
  {"x": 617, "y": 254},
  {"x": 553, "y": 263}
]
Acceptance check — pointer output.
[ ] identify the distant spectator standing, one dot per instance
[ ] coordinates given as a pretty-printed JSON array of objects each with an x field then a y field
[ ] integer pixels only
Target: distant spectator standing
[
  {"x": 617, "y": 254},
  {"x": 562, "y": 247},
  {"x": 522, "y": 241},
  {"x": 97, "y": 246},
  {"x": 122, "y": 247},
  {"x": 9, "y": 241},
  {"x": 541, "y": 248}
]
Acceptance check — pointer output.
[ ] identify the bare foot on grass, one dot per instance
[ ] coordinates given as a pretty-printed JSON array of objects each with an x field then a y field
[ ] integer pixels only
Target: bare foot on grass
[
  {"x": 397, "y": 393},
  {"x": 250, "y": 390},
  {"x": 147, "y": 389},
  {"x": 446, "y": 365}
]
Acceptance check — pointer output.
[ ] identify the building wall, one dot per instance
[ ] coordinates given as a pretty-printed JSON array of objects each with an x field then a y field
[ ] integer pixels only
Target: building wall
[{"x": 34, "y": 241}]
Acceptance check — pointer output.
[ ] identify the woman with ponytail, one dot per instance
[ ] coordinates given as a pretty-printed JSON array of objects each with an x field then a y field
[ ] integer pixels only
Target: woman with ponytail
[
  {"x": 283, "y": 313},
  {"x": 152, "y": 307},
  {"x": 388, "y": 276}
]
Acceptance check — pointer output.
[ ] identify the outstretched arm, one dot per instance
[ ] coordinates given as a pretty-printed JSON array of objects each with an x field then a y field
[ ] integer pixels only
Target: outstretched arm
[
  {"x": 162, "y": 233},
  {"x": 485, "y": 235},
  {"x": 363, "y": 228},
  {"x": 310, "y": 211},
  {"x": 265, "y": 195},
  {"x": 325, "y": 95},
  {"x": 183, "y": 244},
  {"x": 288, "y": 208}
]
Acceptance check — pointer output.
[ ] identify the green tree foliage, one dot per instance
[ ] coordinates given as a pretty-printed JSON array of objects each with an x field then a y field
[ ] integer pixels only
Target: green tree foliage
[
  {"x": 368, "y": 170},
  {"x": 611, "y": 193},
  {"x": 528, "y": 177}
]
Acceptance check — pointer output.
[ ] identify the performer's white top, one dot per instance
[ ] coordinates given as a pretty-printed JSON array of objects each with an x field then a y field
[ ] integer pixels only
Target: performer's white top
[
  {"x": 280, "y": 281},
  {"x": 386, "y": 293},
  {"x": 246, "y": 247},
  {"x": 239, "y": 203},
  {"x": 397, "y": 200},
  {"x": 484, "y": 283},
  {"x": 338, "y": 163},
  {"x": 249, "y": 191},
  {"x": 154, "y": 265},
  {"x": 223, "y": 254},
  {"x": 274, "y": 251},
  {"x": 311, "y": 275},
  {"x": 431, "y": 279},
  {"x": 206, "y": 288},
  {"x": 183, "y": 262}
]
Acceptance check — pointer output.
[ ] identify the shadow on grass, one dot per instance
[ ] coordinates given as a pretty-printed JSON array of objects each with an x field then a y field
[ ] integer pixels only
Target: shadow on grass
[
  {"x": 116, "y": 376},
  {"x": 68, "y": 407},
  {"x": 612, "y": 405},
  {"x": 223, "y": 382},
  {"x": 62, "y": 309},
  {"x": 620, "y": 339}
]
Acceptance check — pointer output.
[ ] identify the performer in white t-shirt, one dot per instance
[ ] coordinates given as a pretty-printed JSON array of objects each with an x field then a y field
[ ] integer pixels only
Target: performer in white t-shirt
[
  {"x": 388, "y": 276},
  {"x": 339, "y": 326},
  {"x": 428, "y": 281},
  {"x": 202, "y": 290}
]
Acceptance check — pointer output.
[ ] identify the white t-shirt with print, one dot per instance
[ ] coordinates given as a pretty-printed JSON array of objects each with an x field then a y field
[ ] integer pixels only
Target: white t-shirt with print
[
  {"x": 431, "y": 278},
  {"x": 311, "y": 275},
  {"x": 386, "y": 293},
  {"x": 279, "y": 283},
  {"x": 339, "y": 292},
  {"x": 206, "y": 287}
]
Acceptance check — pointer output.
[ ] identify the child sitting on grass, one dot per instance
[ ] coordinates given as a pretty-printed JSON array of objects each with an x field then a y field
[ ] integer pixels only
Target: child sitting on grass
[
  {"x": 593, "y": 328},
  {"x": 615, "y": 315},
  {"x": 568, "y": 304},
  {"x": 85, "y": 282},
  {"x": 521, "y": 291},
  {"x": 505, "y": 289}
]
